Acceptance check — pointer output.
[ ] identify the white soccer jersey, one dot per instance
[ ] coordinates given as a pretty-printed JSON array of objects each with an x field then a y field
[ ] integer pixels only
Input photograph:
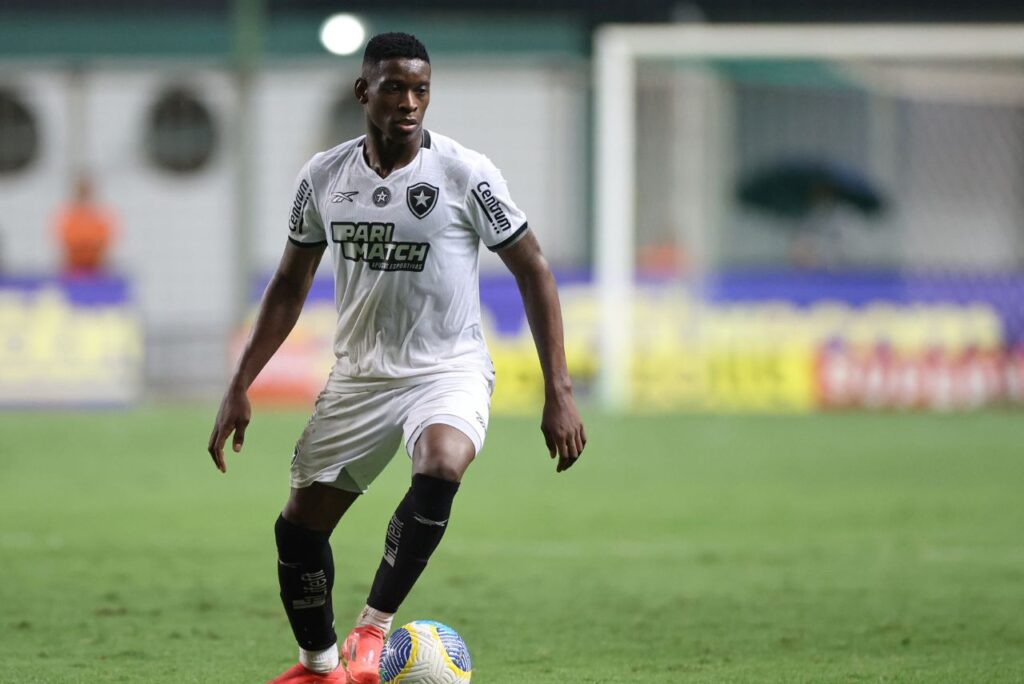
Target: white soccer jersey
[{"x": 405, "y": 252}]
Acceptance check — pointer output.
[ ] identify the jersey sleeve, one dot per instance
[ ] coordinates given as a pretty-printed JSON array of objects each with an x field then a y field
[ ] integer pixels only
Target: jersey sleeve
[
  {"x": 491, "y": 211},
  {"x": 305, "y": 227}
]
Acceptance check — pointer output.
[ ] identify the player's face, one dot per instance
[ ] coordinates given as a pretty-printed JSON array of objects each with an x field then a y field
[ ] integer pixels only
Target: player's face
[{"x": 395, "y": 95}]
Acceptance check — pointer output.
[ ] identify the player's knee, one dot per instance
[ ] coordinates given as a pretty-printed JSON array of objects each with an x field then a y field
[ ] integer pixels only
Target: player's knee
[
  {"x": 295, "y": 542},
  {"x": 444, "y": 453},
  {"x": 448, "y": 469},
  {"x": 318, "y": 507}
]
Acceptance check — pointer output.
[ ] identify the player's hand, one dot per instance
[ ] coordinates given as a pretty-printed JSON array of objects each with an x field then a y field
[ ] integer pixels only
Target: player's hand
[
  {"x": 233, "y": 416},
  {"x": 563, "y": 430}
]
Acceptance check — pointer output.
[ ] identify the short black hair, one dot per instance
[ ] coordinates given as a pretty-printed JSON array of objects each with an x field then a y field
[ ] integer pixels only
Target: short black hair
[{"x": 384, "y": 46}]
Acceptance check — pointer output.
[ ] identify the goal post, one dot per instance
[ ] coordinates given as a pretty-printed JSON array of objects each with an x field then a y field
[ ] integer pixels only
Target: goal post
[{"x": 619, "y": 49}]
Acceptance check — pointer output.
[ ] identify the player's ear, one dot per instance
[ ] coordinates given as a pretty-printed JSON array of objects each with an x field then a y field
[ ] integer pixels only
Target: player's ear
[{"x": 360, "y": 90}]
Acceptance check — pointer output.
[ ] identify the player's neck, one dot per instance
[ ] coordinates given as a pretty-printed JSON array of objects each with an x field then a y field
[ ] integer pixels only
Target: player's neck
[{"x": 385, "y": 155}]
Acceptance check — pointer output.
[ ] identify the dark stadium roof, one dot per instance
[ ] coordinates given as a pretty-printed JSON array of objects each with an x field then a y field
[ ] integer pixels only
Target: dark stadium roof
[{"x": 596, "y": 11}]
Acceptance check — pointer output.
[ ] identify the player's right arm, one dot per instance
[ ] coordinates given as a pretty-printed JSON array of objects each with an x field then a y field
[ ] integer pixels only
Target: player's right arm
[{"x": 279, "y": 310}]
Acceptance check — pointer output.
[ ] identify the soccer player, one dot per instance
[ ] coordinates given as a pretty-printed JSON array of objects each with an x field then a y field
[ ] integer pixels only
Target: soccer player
[{"x": 403, "y": 211}]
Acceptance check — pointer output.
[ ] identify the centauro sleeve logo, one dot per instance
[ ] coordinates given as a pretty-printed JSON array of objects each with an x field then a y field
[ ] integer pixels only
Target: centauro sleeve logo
[
  {"x": 491, "y": 205},
  {"x": 373, "y": 243},
  {"x": 299, "y": 206}
]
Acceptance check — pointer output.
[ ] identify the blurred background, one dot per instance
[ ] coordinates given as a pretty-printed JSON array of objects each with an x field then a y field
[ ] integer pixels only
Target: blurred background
[{"x": 799, "y": 232}]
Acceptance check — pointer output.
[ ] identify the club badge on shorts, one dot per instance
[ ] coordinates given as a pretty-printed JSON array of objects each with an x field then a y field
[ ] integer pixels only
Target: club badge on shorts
[{"x": 421, "y": 199}]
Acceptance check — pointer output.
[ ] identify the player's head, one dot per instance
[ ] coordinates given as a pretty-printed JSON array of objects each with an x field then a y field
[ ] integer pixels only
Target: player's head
[
  {"x": 394, "y": 87},
  {"x": 385, "y": 46}
]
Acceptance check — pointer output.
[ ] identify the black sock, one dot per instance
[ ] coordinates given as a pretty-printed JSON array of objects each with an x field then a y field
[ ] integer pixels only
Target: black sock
[
  {"x": 305, "y": 570},
  {"x": 414, "y": 532}
]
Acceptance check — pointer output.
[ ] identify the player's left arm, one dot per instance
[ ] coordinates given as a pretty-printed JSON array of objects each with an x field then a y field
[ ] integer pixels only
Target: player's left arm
[{"x": 561, "y": 424}]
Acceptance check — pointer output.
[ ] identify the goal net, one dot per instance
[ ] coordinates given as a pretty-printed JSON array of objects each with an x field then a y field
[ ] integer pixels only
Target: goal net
[{"x": 810, "y": 217}]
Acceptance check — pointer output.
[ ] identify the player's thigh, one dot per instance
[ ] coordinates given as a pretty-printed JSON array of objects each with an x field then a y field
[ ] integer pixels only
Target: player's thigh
[
  {"x": 447, "y": 424},
  {"x": 348, "y": 441}
]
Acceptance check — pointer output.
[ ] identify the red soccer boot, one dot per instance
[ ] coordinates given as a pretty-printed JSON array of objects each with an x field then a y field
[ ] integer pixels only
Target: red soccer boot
[
  {"x": 361, "y": 653},
  {"x": 299, "y": 674}
]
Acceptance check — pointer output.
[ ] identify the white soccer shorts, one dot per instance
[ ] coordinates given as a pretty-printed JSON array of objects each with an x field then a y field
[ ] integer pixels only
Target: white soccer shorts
[{"x": 352, "y": 436}]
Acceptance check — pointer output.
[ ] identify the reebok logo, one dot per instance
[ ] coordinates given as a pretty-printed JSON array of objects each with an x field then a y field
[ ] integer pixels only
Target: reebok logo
[
  {"x": 344, "y": 196},
  {"x": 428, "y": 522},
  {"x": 374, "y": 243}
]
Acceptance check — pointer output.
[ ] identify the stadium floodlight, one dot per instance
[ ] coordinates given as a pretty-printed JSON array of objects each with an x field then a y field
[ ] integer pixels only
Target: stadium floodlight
[
  {"x": 342, "y": 34},
  {"x": 619, "y": 53}
]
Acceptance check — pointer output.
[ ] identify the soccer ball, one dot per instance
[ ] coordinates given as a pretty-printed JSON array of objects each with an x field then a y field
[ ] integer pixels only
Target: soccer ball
[{"x": 425, "y": 652}]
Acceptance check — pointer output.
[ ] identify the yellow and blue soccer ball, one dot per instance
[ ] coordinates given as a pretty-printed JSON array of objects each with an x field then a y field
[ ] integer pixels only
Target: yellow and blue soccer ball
[{"x": 425, "y": 652}]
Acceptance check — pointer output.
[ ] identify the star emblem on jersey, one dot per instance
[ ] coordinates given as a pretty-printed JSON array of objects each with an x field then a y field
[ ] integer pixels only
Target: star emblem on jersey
[
  {"x": 381, "y": 196},
  {"x": 421, "y": 199}
]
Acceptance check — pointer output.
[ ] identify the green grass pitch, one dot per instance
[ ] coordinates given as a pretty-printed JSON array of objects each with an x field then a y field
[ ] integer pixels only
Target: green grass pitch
[{"x": 843, "y": 548}]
